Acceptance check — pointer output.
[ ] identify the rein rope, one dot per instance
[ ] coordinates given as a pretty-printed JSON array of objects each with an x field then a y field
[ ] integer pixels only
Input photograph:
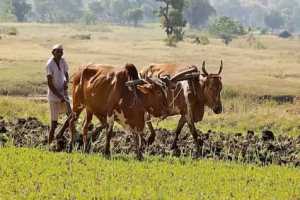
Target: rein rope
[{"x": 174, "y": 98}]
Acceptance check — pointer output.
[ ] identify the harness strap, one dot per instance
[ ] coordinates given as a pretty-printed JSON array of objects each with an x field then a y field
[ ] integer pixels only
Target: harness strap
[{"x": 174, "y": 98}]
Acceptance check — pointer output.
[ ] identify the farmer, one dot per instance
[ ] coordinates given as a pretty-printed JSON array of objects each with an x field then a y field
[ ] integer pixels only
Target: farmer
[{"x": 57, "y": 79}]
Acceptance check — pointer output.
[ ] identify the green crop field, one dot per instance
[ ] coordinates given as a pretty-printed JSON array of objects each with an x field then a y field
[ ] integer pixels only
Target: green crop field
[{"x": 34, "y": 174}]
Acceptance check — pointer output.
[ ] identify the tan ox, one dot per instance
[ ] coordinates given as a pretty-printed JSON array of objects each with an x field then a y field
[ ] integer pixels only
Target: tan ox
[
  {"x": 189, "y": 97},
  {"x": 111, "y": 94}
]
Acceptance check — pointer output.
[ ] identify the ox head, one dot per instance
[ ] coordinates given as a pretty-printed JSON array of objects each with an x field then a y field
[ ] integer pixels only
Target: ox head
[{"x": 212, "y": 86}]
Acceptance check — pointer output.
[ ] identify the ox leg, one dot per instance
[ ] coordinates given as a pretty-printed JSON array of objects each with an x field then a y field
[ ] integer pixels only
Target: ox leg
[
  {"x": 89, "y": 117},
  {"x": 96, "y": 133},
  {"x": 138, "y": 141},
  {"x": 109, "y": 135},
  {"x": 152, "y": 136},
  {"x": 195, "y": 136},
  {"x": 180, "y": 125}
]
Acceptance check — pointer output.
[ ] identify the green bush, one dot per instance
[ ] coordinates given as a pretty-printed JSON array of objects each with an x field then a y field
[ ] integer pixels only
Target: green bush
[
  {"x": 204, "y": 40},
  {"x": 89, "y": 18},
  {"x": 201, "y": 40},
  {"x": 8, "y": 30},
  {"x": 81, "y": 36},
  {"x": 259, "y": 45},
  {"x": 264, "y": 31},
  {"x": 253, "y": 42},
  {"x": 226, "y": 28}
]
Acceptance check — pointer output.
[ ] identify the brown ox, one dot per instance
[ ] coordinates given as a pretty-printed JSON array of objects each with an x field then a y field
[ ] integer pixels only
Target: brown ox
[
  {"x": 111, "y": 94},
  {"x": 189, "y": 97}
]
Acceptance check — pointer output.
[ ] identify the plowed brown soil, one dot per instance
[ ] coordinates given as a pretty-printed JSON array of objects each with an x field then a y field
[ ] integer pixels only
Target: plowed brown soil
[{"x": 260, "y": 148}]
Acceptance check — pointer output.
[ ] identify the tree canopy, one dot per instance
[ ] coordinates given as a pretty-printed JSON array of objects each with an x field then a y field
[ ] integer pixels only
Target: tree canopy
[{"x": 272, "y": 14}]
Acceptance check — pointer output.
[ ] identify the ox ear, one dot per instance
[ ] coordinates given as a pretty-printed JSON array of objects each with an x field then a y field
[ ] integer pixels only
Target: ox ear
[
  {"x": 221, "y": 68},
  {"x": 203, "y": 69}
]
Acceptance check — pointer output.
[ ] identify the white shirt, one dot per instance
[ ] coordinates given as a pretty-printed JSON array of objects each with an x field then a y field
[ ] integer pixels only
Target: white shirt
[{"x": 58, "y": 77}]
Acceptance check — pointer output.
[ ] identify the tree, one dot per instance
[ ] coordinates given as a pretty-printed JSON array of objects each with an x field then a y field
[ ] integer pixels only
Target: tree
[
  {"x": 134, "y": 15},
  {"x": 6, "y": 9},
  {"x": 58, "y": 11},
  {"x": 149, "y": 12},
  {"x": 119, "y": 8},
  {"x": 198, "y": 12},
  {"x": 89, "y": 18},
  {"x": 230, "y": 8},
  {"x": 289, "y": 11},
  {"x": 226, "y": 28},
  {"x": 171, "y": 14},
  {"x": 20, "y": 8},
  {"x": 274, "y": 20},
  {"x": 97, "y": 9}
]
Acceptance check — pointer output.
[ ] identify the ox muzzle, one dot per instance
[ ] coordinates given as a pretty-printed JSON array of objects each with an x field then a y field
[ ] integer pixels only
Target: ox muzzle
[{"x": 218, "y": 109}]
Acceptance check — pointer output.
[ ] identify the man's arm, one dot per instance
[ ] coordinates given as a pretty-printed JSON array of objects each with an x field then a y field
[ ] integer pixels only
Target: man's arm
[
  {"x": 53, "y": 89},
  {"x": 67, "y": 81},
  {"x": 66, "y": 69}
]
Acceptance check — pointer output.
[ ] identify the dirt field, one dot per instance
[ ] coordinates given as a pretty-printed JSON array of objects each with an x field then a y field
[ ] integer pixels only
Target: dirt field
[{"x": 260, "y": 148}]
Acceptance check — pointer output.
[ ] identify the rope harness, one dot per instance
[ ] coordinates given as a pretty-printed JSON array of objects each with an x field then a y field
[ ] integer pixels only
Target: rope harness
[{"x": 174, "y": 97}]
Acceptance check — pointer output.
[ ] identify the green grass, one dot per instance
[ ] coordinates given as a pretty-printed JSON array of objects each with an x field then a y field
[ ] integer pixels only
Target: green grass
[
  {"x": 19, "y": 107},
  {"x": 22, "y": 79},
  {"x": 35, "y": 174},
  {"x": 240, "y": 115}
]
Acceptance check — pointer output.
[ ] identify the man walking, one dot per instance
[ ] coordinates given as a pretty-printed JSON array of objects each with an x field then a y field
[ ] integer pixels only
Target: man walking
[{"x": 57, "y": 79}]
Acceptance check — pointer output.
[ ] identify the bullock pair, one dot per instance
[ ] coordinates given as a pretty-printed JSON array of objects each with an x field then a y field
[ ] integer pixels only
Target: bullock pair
[{"x": 119, "y": 94}]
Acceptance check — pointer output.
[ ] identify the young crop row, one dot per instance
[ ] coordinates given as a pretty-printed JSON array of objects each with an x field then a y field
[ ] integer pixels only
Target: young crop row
[{"x": 36, "y": 174}]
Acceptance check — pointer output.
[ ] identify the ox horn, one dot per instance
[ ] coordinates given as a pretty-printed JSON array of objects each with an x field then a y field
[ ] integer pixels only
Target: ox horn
[
  {"x": 221, "y": 67},
  {"x": 180, "y": 76},
  {"x": 203, "y": 68}
]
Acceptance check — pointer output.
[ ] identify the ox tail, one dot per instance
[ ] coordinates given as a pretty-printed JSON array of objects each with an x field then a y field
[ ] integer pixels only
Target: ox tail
[{"x": 132, "y": 71}]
